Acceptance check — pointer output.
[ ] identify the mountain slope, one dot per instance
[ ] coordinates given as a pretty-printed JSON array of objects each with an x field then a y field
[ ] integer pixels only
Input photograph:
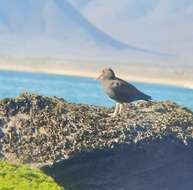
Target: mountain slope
[
  {"x": 63, "y": 19},
  {"x": 52, "y": 17},
  {"x": 58, "y": 22},
  {"x": 153, "y": 24}
]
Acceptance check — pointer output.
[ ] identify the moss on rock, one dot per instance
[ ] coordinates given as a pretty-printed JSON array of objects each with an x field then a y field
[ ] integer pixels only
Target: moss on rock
[{"x": 21, "y": 177}]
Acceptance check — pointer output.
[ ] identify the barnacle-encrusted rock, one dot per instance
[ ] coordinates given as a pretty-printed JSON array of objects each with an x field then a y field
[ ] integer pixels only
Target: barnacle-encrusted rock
[{"x": 38, "y": 129}]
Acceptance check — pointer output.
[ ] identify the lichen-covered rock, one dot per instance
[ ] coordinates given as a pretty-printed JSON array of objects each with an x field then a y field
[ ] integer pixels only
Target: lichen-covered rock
[{"x": 38, "y": 129}]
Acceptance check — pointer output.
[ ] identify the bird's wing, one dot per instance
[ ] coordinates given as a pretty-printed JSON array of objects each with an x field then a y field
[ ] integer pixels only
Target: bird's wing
[{"x": 126, "y": 91}]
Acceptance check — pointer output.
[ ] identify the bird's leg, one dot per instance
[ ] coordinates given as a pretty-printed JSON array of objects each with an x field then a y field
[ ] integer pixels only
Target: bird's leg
[
  {"x": 116, "y": 110},
  {"x": 120, "y": 108}
]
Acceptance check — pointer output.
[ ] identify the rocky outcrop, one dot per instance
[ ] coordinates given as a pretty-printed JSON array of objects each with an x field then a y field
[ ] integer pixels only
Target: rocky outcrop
[
  {"x": 44, "y": 130},
  {"x": 157, "y": 165},
  {"x": 149, "y": 146}
]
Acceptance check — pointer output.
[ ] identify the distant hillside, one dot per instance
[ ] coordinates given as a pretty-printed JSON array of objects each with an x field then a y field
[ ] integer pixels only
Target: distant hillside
[
  {"x": 159, "y": 24},
  {"x": 52, "y": 24}
]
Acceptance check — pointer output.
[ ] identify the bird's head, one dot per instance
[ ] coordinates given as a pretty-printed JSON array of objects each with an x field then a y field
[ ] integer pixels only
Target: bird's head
[{"x": 107, "y": 73}]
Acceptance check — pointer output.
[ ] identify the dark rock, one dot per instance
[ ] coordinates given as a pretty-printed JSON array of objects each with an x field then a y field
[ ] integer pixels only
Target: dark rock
[{"x": 156, "y": 165}]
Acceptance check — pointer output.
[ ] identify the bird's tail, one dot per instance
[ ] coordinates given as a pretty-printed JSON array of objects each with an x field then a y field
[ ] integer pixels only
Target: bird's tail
[{"x": 147, "y": 97}]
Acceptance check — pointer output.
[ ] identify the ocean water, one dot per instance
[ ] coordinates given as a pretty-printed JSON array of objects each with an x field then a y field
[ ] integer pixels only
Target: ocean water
[{"x": 82, "y": 89}]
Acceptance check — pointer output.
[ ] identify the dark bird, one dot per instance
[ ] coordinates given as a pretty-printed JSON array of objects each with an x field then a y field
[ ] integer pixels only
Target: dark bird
[{"x": 120, "y": 90}]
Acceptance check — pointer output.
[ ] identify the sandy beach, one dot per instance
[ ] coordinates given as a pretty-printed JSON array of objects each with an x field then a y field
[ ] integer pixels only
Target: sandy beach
[{"x": 159, "y": 73}]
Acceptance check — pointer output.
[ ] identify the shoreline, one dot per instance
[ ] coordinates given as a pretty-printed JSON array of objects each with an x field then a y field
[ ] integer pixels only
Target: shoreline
[
  {"x": 90, "y": 74},
  {"x": 155, "y": 73}
]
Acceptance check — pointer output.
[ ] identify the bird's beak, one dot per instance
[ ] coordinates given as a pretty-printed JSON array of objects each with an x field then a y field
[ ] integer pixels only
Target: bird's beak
[{"x": 99, "y": 77}]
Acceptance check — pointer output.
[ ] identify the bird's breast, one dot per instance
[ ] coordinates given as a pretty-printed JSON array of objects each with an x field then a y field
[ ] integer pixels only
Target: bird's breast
[{"x": 108, "y": 87}]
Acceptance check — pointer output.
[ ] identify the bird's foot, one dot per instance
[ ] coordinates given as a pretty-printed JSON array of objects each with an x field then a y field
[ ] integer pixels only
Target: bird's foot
[{"x": 113, "y": 114}]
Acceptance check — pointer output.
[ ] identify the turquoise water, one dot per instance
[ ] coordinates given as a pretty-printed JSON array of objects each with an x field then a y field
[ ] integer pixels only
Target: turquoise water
[{"x": 81, "y": 89}]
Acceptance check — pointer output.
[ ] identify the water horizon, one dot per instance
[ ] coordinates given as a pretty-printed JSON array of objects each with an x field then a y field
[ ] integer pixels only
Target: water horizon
[{"x": 78, "y": 89}]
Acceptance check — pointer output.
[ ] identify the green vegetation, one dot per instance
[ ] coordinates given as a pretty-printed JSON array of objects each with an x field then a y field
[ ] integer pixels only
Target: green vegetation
[{"x": 13, "y": 177}]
